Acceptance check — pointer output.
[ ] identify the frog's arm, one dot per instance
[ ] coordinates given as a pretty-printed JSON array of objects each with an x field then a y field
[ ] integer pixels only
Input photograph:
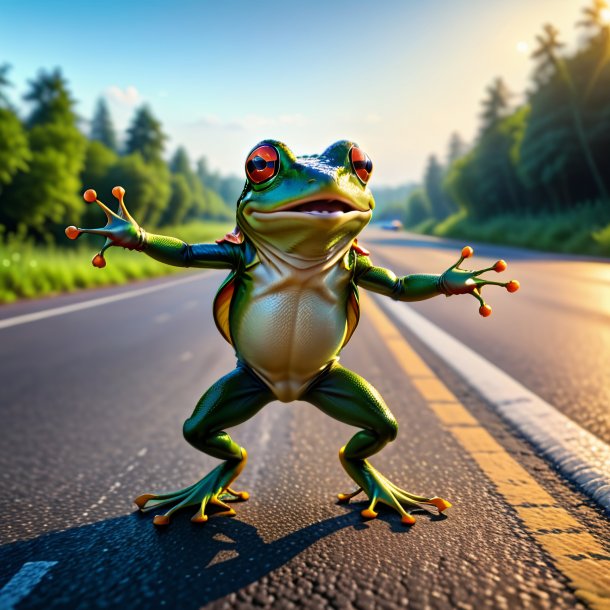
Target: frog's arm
[
  {"x": 172, "y": 251},
  {"x": 418, "y": 287},
  {"x": 122, "y": 230}
]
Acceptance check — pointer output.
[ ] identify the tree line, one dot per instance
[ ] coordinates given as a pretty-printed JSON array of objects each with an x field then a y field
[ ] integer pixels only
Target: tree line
[
  {"x": 549, "y": 154},
  {"x": 46, "y": 161}
]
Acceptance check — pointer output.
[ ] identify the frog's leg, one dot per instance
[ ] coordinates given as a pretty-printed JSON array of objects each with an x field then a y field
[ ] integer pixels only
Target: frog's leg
[
  {"x": 233, "y": 399},
  {"x": 346, "y": 396}
]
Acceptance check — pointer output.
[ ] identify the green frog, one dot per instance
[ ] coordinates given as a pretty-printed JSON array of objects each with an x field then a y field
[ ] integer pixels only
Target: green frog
[{"x": 288, "y": 307}]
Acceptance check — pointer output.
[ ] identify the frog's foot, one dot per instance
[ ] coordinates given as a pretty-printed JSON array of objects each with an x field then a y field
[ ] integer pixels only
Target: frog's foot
[
  {"x": 380, "y": 489},
  {"x": 213, "y": 490},
  {"x": 120, "y": 229},
  {"x": 456, "y": 280}
]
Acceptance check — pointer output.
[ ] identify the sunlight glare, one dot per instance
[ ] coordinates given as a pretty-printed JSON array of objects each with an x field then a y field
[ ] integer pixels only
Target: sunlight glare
[
  {"x": 605, "y": 15},
  {"x": 522, "y": 47}
]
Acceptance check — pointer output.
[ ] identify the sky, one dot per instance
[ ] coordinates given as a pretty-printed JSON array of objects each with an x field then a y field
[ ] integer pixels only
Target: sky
[{"x": 397, "y": 77}]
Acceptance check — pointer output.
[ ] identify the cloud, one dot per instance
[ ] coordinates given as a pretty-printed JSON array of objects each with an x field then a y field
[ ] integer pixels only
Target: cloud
[
  {"x": 250, "y": 121},
  {"x": 129, "y": 96}
]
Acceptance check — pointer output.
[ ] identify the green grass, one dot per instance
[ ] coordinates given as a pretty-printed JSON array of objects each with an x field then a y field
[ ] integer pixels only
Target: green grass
[
  {"x": 28, "y": 270},
  {"x": 583, "y": 230}
]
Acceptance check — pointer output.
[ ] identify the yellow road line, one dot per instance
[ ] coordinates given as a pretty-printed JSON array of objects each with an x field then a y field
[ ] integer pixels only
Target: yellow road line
[{"x": 574, "y": 552}]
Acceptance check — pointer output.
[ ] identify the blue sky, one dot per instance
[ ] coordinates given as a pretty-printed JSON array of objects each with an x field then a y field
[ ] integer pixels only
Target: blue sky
[{"x": 397, "y": 77}]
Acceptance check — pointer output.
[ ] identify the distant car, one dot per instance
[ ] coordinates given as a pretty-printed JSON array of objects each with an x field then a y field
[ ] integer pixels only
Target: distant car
[{"x": 393, "y": 225}]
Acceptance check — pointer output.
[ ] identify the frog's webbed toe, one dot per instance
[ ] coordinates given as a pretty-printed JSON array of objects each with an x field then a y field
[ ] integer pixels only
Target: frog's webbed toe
[
  {"x": 379, "y": 489},
  {"x": 470, "y": 281},
  {"x": 212, "y": 491},
  {"x": 120, "y": 228}
]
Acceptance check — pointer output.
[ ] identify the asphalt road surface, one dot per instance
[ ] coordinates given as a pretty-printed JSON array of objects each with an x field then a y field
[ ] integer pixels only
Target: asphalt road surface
[{"x": 92, "y": 407}]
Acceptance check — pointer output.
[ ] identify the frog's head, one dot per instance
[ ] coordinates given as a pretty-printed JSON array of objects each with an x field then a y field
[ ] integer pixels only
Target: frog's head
[{"x": 306, "y": 206}]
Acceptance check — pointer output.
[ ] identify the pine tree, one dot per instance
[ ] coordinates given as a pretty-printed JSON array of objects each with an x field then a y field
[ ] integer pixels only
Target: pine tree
[
  {"x": 145, "y": 136},
  {"x": 51, "y": 100},
  {"x": 456, "y": 149},
  {"x": 180, "y": 162},
  {"x": 496, "y": 105},
  {"x": 102, "y": 129}
]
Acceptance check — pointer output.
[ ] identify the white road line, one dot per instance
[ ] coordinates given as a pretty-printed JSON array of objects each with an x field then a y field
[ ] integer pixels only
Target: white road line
[
  {"x": 579, "y": 455},
  {"x": 23, "y": 583},
  {"x": 59, "y": 311}
]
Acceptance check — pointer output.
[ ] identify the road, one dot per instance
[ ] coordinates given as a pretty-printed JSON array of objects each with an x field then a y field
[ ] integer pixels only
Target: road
[{"x": 93, "y": 403}]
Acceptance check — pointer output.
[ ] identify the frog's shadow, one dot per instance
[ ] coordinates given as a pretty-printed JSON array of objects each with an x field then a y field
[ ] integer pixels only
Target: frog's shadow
[{"x": 127, "y": 562}]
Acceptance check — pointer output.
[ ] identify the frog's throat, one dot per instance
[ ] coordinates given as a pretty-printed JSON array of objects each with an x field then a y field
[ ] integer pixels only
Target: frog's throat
[
  {"x": 303, "y": 242},
  {"x": 302, "y": 257}
]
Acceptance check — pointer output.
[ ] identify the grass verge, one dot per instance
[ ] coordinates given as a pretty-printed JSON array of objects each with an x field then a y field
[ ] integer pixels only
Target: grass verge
[
  {"x": 28, "y": 270},
  {"x": 584, "y": 230}
]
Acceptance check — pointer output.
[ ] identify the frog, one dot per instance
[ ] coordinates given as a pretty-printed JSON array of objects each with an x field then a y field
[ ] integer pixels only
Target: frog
[{"x": 289, "y": 305}]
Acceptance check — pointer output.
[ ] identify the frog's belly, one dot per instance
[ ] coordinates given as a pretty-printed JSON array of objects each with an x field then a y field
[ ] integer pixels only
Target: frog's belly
[{"x": 287, "y": 338}]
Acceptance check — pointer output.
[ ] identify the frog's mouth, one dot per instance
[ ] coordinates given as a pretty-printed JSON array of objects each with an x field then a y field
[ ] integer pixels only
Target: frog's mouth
[
  {"x": 318, "y": 207},
  {"x": 322, "y": 207}
]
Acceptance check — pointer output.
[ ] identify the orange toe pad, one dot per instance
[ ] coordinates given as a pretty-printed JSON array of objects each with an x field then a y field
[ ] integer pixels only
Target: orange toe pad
[
  {"x": 199, "y": 518},
  {"x": 140, "y": 501},
  {"x": 161, "y": 520},
  {"x": 440, "y": 504}
]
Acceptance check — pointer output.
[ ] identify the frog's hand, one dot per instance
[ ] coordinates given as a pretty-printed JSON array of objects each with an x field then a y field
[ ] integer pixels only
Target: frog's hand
[
  {"x": 120, "y": 229},
  {"x": 464, "y": 281}
]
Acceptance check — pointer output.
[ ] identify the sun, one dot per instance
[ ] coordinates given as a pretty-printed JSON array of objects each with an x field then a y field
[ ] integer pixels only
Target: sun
[{"x": 522, "y": 47}]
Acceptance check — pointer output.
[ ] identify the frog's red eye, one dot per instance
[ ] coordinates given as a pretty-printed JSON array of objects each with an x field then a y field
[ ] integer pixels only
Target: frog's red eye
[
  {"x": 262, "y": 164},
  {"x": 363, "y": 166}
]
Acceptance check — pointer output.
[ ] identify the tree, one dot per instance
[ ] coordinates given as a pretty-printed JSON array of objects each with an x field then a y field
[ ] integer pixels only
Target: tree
[
  {"x": 461, "y": 182},
  {"x": 456, "y": 149},
  {"x": 45, "y": 198},
  {"x": 99, "y": 160},
  {"x": 102, "y": 129},
  {"x": 418, "y": 208},
  {"x": 188, "y": 197},
  {"x": 440, "y": 205},
  {"x": 180, "y": 163},
  {"x": 550, "y": 62},
  {"x": 4, "y": 83},
  {"x": 597, "y": 21},
  {"x": 14, "y": 147},
  {"x": 51, "y": 99},
  {"x": 499, "y": 188},
  {"x": 546, "y": 54},
  {"x": 496, "y": 105},
  {"x": 145, "y": 136},
  {"x": 147, "y": 187},
  {"x": 179, "y": 202}
]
